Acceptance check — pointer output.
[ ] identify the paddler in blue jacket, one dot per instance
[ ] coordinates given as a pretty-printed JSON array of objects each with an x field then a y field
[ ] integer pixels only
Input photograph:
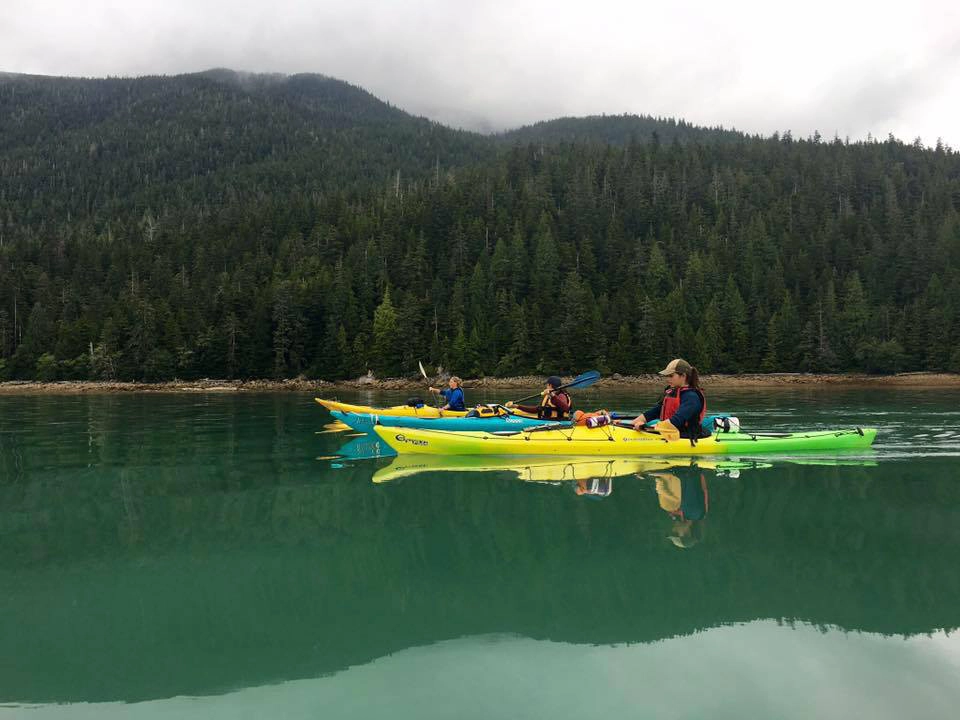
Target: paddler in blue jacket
[
  {"x": 453, "y": 395},
  {"x": 683, "y": 405}
]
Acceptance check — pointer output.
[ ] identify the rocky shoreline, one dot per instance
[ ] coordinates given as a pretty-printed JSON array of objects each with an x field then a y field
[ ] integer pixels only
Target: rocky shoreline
[{"x": 770, "y": 380}]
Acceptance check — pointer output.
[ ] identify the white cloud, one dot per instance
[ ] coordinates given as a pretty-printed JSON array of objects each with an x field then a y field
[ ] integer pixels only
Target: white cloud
[{"x": 849, "y": 68}]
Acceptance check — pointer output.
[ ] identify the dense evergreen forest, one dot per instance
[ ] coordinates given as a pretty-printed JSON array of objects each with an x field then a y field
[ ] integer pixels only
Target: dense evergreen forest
[{"x": 228, "y": 225}]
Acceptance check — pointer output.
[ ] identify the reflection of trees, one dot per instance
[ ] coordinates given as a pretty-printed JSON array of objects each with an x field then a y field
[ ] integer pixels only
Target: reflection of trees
[{"x": 197, "y": 581}]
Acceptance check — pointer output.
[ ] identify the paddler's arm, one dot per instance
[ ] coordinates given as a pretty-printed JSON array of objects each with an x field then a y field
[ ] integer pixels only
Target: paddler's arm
[
  {"x": 562, "y": 402},
  {"x": 529, "y": 409},
  {"x": 644, "y": 417}
]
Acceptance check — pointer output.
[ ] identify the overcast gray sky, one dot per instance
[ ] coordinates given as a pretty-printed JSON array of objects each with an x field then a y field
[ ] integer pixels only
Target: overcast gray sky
[{"x": 849, "y": 68}]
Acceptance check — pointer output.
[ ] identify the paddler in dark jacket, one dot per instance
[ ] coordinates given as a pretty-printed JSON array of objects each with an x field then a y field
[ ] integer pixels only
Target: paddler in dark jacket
[
  {"x": 554, "y": 404},
  {"x": 683, "y": 404}
]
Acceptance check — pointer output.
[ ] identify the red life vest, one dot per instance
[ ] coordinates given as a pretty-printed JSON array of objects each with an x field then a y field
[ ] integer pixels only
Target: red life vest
[{"x": 671, "y": 402}]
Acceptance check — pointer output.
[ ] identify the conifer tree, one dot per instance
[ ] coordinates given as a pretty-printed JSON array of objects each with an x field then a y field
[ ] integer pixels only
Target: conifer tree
[{"x": 385, "y": 353}]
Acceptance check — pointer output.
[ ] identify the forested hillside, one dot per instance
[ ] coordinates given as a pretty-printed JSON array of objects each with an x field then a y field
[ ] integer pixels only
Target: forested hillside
[
  {"x": 261, "y": 226},
  {"x": 105, "y": 149},
  {"x": 617, "y": 130}
]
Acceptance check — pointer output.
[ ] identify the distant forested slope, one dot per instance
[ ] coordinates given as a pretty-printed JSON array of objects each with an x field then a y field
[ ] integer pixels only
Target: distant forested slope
[
  {"x": 101, "y": 149},
  {"x": 617, "y": 130},
  {"x": 231, "y": 225}
]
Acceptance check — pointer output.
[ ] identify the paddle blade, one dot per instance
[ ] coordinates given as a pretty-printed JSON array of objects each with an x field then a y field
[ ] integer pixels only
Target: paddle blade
[
  {"x": 422, "y": 371},
  {"x": 667, "y": 430},
  {"x": 584, "y": 379}
]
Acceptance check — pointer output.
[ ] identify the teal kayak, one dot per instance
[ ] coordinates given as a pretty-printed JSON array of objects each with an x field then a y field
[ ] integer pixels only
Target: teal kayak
[{"x": 364, "y": 422}]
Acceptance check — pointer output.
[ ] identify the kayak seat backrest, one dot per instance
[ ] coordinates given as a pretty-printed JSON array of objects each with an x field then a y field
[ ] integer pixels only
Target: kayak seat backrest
[{"x": 720, "y": 424}]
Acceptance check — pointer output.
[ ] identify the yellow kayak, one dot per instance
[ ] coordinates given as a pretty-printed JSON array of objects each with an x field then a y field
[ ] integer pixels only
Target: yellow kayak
[
  {"x": 424, "y": 411},
  {"x": 617, "y": 441}
]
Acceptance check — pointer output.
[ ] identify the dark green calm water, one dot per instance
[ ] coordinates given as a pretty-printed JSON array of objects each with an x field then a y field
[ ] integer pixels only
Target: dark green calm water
[{"x": 200, "y": 556}]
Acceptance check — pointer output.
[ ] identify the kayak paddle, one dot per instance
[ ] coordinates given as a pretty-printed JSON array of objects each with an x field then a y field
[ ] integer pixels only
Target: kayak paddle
[
  {"x": 580, "y": 381},
  {"x": 424, "y": 373}
]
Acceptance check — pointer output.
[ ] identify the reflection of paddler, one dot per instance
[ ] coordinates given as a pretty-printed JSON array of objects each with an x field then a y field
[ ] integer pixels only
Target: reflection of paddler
[
  {"x": 687, "y": 500},
  {"x": 598, "y": 487}
]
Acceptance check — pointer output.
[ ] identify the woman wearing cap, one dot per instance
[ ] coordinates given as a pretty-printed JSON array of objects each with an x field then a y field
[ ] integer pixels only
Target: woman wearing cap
[
  {"x": 453, "y": 395},
  {"x": 683, "y": 404},
  {"x": 554, "y": 404}
]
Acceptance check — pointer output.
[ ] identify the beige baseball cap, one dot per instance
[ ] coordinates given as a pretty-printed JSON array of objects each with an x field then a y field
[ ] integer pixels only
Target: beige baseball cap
[{"x": 677, "y": 366}]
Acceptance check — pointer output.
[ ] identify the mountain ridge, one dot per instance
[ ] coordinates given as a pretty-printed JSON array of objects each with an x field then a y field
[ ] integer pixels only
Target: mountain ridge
[{"x": 261, "y": 80}]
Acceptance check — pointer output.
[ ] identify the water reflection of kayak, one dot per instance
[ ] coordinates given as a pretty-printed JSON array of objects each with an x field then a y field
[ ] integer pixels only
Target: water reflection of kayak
[
  {"x": 539, "y": 469},
  {"x": 364, "y": 447},
  {"x": 616, "y": 440}
]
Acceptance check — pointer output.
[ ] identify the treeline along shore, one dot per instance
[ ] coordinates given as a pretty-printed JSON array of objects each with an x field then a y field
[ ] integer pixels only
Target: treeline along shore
[
  {"x": 772, "y": 381},
  {"x": 238, "y": 226}
]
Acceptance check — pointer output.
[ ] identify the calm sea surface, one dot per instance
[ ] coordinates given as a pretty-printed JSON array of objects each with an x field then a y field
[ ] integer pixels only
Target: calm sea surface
[{"x": 227, "y": 556}]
